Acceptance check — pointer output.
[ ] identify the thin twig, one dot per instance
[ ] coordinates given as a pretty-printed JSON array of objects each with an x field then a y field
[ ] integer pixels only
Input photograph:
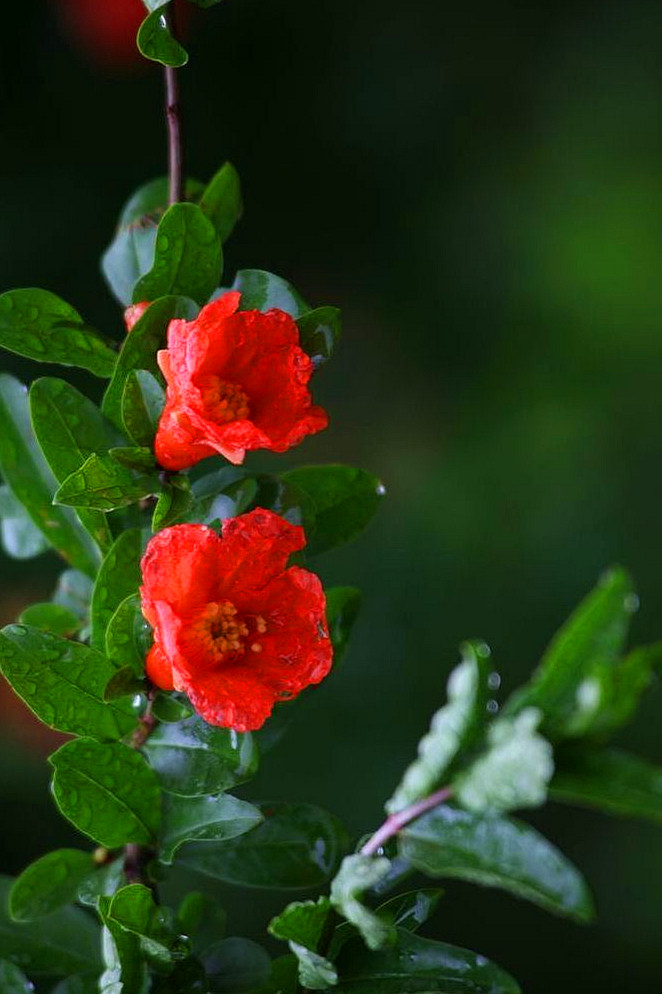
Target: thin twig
[
  {"x": 396, "y": 822},
  {"x": 174, "y": 120},
  {"x": 137, "y": 857}
]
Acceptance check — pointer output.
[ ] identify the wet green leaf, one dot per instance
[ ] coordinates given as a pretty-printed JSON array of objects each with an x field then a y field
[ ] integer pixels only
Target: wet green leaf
[
  {"x": 49, "y": 883},
  {"x": 496, "y": 852},
  {"x": 221, "y": 200},
  {"x": 412, "y": 909},
  {"x": 147, "y": 336},
  {"x": 357, "y": 874},
  {"x": 119, "y": 577},
  {"x": 188, "y": 258},
  {"x": 260, "y": 291},
  {"x": 344, "y": 501},
  {"x": 564, "y": 685},
  {"x": 31, "y": 481},
  {"x": 193, "y": 758},
  {"x": 21, "y": 539},
  {"x": 102, "y": 482},
  {"x": 128, "y": 637},
  {"x": 69, "y": 429},
  {"x": 453, "y": 728},
  {"x": 143, "y": 400},
  {"x": 13, "y": 980},
  {"x": 512, "y": 772},
  {"x": 342, "y": 608},
  {"x": 173, "y": 504},
  {"x": 62, "y": 682},
  {"x": 156, "y": 43},
  {"x": 51, "y": 618},
  {"x": 421, "y": 965},
  {"x": 302, "y": 924},
  {"x": 202, "y": 919},
  {"x": 319, "y": 333},
  {"x": 107, "y": 792},
  {"x": 37, "y": 324},
  {"x": 134, "y": 910},
  {"x": 214, "y": 818},
  {"x": 298, "y": 845}
]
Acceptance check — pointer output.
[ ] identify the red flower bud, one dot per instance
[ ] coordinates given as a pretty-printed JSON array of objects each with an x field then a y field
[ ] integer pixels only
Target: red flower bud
[
  {"x": 134, "y": 313},
  {"x": 237, "y": 380},
  {"x": 234, "y": 628}
]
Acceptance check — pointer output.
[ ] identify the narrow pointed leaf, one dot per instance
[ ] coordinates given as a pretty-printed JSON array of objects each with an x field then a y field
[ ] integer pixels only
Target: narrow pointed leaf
[{"x": 142, "y": 404}]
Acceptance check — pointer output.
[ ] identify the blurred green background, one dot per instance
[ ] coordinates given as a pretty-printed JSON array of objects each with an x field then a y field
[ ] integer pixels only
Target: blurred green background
[{"x": 479, "y": 187}]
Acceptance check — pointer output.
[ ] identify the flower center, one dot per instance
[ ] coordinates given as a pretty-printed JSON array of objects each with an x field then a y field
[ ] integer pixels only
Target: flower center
[
  {"x": 221, "y": 630},
  {"x": 223, "y": 401}
]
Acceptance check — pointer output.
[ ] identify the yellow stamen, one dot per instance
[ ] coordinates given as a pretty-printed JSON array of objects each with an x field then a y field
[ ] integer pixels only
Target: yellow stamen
[{"x": 223, "y": 401}]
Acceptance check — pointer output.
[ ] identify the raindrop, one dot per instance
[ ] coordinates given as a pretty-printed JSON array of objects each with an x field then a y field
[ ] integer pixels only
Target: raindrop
[
  {"x": 494, "y": 680},
  {"x": 492, "y": 706},
  {"x": 631, "y": 603},
  {"x": 381, "y": 490}
]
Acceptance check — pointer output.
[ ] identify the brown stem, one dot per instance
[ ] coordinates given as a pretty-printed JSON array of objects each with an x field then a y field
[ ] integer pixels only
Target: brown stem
[
  {"x": 174, "y": 121},
  {"x": 396, "y": 822},
  {"x": 137, "y": 857}
]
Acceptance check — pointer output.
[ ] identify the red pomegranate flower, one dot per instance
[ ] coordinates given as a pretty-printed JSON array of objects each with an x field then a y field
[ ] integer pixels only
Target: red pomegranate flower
[
  {"x": 134, "y": 313},
  {"x": 237, "y": 380},
  {"x": 234, "y": 628}
]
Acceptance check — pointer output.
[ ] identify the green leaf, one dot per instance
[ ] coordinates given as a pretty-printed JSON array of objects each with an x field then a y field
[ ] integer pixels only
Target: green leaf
[
  {"x": 221, "y": 200},
  {"x": 128, "y": 637},
  {"x": 69, "y": 429},
  {"x": 107, "y": 792},
  {"x": 131, "y": 252},
  {"x": 417, "y": 964},
  {"x": 302, "y": 925},
  {"x": 202, "y": 919},
  {"x": 412, "y": 909},
  {"x": 173, "y": 504},
  {"x": 21, "y": 539},
  {"x": 344, "y": 500},
  {"x": 357, "y": 874},
  {"x": 193, "y": 758},
  {"x": 31, "y": 481},
  {"x": 298, "y": 845},
  {"x": 51, "y": 618},
  {"x": 137, "y": 457},
  {"x": 171, "y": 708},
  {"x": 62, "y": 682},
  {"x": 260, "y": 291},
  {"x": 610, "y": 697},
  {"x": 319, "y": 333},
  {"x": 13, "y": 980},
  {"x": 123, "y": 683},
  {"x": 147, "y": 336},
  {"x": 453, "y": 728},
  {"x": 236, "y": 965},
  {"x": 156, "y": 43},
  {"x": 592, "y": 639},
  {"x": 74, "y": 592},
  {"x": 39, "y": 325},
  {"x": 62, "y": 943},
  {"x": 49, "y": 883},
  {"x": 119, "y": 577},
  {"x": 610, "y": 780},
  {"x": 126, "y": 970},
  {"x": 103, "y": 881},
  {"x": 104, "y": 483},
  {"x": 134, "y": 910},
  {"x": 342, "y": 608},
  {"x": 514, "y": 770},
  {"x": 188, "y": 258},
  {"x": 216, "y": 819},
  {"x": 143, "y": 400},
  {"x": 496, "y": 852}
]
